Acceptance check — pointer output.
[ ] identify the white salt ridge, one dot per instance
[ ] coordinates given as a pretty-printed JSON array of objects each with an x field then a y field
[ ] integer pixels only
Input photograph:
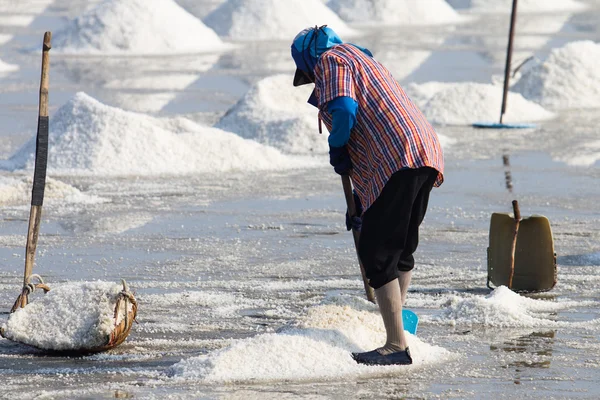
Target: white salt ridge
[
  {"x": 16, "y": 20},
  {"x": 24, "y": 6},
  {"x": 524, "y": 6},
  {"x": 317, "y": 348},
  {"x": 4, "y": 38},
  {"x": 466, "y": 102},
  {"x": 136, "y": 27},
  {"x": 584, "y": 154},
  {"x": 17, "y": 191},
  {"x": 88, "y": 137},
  {"x": 568, "y": 78},
  {"x": 272, "y": 19},
  {"x": 504, "y": 308},
  {"x": 275, "y": 113},
  {"x": 70, "y": 317},
  {"x": 5, "y": 67},
  {"x": 108, "y": 224},
  {"x": 404, "y": 12},
  {"x": 216, "y": 303}
]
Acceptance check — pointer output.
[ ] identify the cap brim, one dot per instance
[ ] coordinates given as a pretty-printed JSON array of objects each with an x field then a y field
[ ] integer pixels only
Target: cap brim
[{"x": 300, "y": 78}]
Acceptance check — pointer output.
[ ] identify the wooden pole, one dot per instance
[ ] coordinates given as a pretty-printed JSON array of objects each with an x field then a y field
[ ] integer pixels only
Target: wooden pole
[
  {"x": 39, "y": 175},
  {"x": 347, "y": 184},
  {"x": 509, "y": 50}
]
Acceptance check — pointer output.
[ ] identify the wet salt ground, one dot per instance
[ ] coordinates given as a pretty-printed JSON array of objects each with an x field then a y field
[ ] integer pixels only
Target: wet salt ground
[
  {"x": 241, "y": 255},
  {"x": 218, "y": 258}
]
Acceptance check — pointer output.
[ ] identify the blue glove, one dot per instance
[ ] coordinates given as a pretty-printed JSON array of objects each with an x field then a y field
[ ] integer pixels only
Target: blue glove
[
  {"x": 339, "y": 158},
  {"x": 356, "y": 221}
]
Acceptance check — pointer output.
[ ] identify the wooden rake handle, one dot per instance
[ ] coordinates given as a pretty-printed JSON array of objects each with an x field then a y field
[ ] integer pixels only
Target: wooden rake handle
[
  {"x": 347, "y": 184},
  {"x": 513, "y": 247},
  {"x": 39, "y": 175}
]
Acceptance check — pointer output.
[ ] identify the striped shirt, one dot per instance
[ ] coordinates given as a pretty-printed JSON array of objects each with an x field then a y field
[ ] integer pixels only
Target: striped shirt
[{"x": 390, "y": 133}]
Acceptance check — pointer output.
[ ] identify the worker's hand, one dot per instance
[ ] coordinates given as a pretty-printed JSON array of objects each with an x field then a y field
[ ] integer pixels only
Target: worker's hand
[
  {"x": 355, "y": 222},
  {"x": 340, "y": 160}
]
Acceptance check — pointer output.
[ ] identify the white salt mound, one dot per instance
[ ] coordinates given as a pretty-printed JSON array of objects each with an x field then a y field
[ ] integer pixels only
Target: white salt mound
[
  {"x": 317, "y": 348},
  {"x": 88, "y": 137},
  {"x": 465, "y": 103},
  {"x": 72, "y": 316},
  {"x": 568, "y": 78},
  {"x": 17, "y": 191},
  {"x": 503, "y": 308},
  {"x": 405, "y": 12},
  {"x": 579, "y": 154},
  {"x": 272, "y": 19},
  {"x": 526, "y": 6},
  {"x": 275, "y": 113},
  {"x": 136, "y": 27},
  {"x": 5, "y": 67}
]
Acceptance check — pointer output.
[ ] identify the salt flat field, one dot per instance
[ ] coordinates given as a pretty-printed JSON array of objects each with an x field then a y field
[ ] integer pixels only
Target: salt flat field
[{"x": 182, "y": 160}]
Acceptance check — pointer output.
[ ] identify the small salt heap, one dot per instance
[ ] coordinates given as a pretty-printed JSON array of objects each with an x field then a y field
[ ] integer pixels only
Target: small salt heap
[
  {"x": 91, "y": 138},
  {"x": 6, "y": 68},
  {"x": 136, "y": 27},
  {"x": 70, "y": 317},
  {"x": 466, "y": 102},
  {"x": 568, "y": 78},
  {"x": 16, "y": 190},
  {"x": 272, "y": 19},
  {"x": 275, "y": 113}
]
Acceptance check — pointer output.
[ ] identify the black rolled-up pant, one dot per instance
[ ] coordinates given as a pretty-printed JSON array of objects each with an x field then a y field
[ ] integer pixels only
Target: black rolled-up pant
[{"x": 390, "y": 227}]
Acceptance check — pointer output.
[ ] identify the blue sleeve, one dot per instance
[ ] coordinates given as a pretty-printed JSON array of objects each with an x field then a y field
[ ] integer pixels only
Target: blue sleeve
[{"x": 343, "y": 113}]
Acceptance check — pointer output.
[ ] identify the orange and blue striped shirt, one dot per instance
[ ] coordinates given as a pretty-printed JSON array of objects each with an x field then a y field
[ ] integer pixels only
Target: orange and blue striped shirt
[{"x": 390, "y": 133}]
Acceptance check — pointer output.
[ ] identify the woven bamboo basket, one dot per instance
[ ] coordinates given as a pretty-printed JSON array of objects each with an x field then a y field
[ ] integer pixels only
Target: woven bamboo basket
[{"x": 125, "y": 313}]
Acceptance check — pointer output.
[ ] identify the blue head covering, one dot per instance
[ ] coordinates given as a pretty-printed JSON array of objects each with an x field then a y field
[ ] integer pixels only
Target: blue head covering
[{"x": 307, "y": 47}]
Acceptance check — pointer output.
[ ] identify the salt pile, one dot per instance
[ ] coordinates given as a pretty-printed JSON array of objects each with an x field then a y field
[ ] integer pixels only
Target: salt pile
[
  {"x": 533, "y": 6},
  {"x": 136, "y": 27},
  {"x": 88, "y": 137},
  {"x": 568, "y": 78},
  {"x": 318, "y": 347},
  {"x": 465, "y": 103},
  {"x": 503, "y": 308},
  {"x": 275, "y": 113},
  {"x": 271, "y": 19},
  {"x": 70, "y": 317},
  {"x": 17, "y": 191},
  {"x": 404, "y": 12}
]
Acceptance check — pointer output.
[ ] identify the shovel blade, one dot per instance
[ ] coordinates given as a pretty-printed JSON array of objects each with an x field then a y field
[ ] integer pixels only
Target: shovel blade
[
  {"x": 535, "y": 260},
  {"x": 410, "y": 321}
]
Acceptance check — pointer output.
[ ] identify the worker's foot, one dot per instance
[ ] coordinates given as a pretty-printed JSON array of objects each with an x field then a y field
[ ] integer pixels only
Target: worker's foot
[{"x": 377, "y": 358}]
